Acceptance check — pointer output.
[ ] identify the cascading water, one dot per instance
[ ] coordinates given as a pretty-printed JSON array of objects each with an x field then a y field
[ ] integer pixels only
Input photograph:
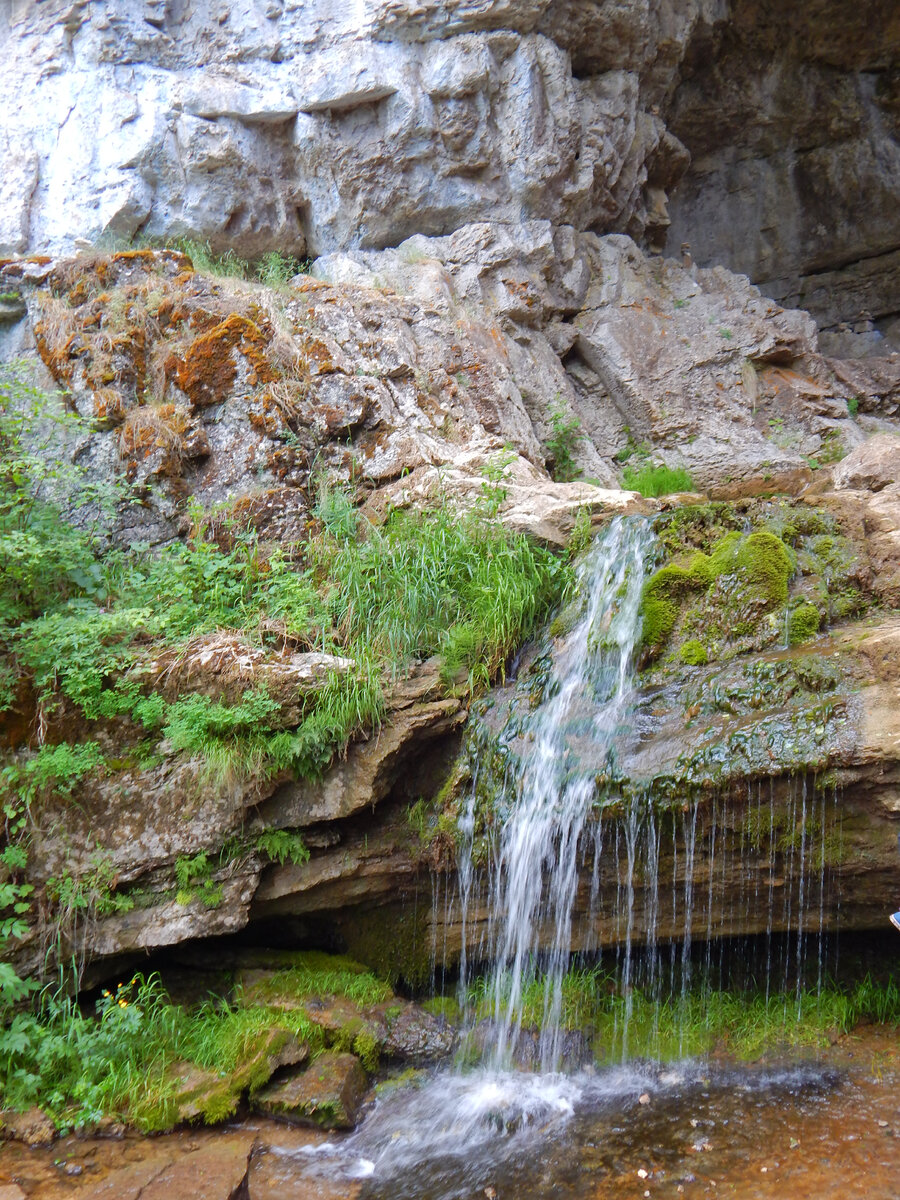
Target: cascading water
[{"x": 551, "y": 791}]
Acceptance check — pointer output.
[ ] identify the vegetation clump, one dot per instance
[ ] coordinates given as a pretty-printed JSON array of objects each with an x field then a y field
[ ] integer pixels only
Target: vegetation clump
[
  {"x": 144, "y": 1059},
  {"x": 693, "y": 653},
  {"x": 98, "y": 645},
  {"x": 803, "y": 623},
  {"x": 654, "y": 481},
  {"x": 725, "y": 588}
]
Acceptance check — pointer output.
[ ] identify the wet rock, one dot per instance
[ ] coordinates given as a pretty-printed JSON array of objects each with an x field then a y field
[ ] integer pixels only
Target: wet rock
[
  {"x": 214, "y": 1171},
  {"x": 287, "y": 1176},
  {"x": 413, "y": 1034},
  {"x": 32, "y": 1127},
  {"x": 214, "y": 1095},
  {"x": 329, "y": 1093}
]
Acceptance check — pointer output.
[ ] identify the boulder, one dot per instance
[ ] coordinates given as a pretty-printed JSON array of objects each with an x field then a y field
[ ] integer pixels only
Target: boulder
[
  {"x": 872, "y": 466},
  {"x": 214, "y": 1095},
  {"x": 32, "y": 1127},
  {"x": 329, "y": 1093}
]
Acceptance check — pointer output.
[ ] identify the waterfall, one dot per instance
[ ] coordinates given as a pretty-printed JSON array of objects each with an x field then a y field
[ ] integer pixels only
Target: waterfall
[{"x": 551, "y": 790}]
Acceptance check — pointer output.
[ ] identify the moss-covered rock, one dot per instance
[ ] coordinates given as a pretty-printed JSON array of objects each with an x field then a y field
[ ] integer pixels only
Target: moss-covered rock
[
  {"x": 741, "y": 578},
  {"x": 328, "y": 1094},
  {"x": 803, "y": 624}
]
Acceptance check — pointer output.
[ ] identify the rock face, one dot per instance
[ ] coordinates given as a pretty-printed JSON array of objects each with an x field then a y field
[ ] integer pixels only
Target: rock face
[
  {"x": 264, "y": 126},
  {"x": 790, "y": 114},
  {"x": 439, "y": 368},
  {"x": 478, "y": 183},
  {"x": 313, "y": 127}
]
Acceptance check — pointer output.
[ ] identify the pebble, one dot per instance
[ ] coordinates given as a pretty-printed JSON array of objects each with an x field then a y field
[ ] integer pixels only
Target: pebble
[{"x": 644, "y": 1098}]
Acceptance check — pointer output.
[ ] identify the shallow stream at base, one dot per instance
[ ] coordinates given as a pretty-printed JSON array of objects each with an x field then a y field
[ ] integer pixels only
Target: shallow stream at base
[{"x": 827, "y": 1129}]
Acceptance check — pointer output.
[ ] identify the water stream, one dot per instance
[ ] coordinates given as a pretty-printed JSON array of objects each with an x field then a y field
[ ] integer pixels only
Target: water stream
[{"x": 534, "y": 873}]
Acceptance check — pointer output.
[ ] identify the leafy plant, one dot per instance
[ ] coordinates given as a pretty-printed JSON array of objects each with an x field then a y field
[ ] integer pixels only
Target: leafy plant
[
  {"x": 283, "y": 845},
  {"x": 563, "y": 442},
  {"x": 193, "y": 875}
]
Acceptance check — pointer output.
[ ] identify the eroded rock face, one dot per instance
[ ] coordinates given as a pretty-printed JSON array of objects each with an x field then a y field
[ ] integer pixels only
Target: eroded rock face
[
  {"x": 694, "y": 365},
  {"x": 309, "y": 127},
  {"x": 790, "y": 114}
]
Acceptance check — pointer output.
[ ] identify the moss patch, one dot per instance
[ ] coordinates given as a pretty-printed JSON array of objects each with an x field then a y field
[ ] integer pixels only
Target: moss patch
[
  {"x": 757, "y": 567},
  {"x": 693, "y": 653},
  {"x": 803, "y": 624}
]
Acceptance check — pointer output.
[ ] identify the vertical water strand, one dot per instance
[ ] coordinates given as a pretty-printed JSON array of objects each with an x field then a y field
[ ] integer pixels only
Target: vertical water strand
[
  {"x": 619, "y": 917},
  {"x": 552, "y": 791},
  {"x": 464, "y": 873},
  {"x": 651, "y": 916},
  {"x": 673, "y": 948},
  {"x": 690, "y": 845},
  {"x": 801, "y": 901},
  {"x": 839, "y": 822},
  {"x": 771, "y": 906},
  {"x": 788, "y": 905},
  {"x": 631, "y": 835},
  {"x": 710, "y": 891},
  {"x": 823, "y": 818}
]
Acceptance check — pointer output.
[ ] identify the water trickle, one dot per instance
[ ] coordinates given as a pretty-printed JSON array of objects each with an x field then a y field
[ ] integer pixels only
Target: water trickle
[{"x": 552, "y": 789}]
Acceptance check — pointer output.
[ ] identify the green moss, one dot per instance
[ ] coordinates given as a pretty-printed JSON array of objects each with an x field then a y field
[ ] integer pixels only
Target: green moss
[
  {"x": 755, "y": 570},
  {"x": 662, "y": 593},
  {"x": 765, "y": 560},
  {"x": 803, "y": 624},
  {"x": 365, "y": 1047},
  {"x": 693, "y": 653}
]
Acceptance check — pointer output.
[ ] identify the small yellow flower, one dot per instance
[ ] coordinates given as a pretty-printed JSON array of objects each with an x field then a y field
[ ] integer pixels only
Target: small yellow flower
[
  {"x": 106, "y": 993},
  {"x": 123, "y": 1004}
]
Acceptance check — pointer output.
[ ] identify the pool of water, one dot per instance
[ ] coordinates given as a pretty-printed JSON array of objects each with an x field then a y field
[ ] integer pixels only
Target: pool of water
[{"x": 828, "y": 1129}]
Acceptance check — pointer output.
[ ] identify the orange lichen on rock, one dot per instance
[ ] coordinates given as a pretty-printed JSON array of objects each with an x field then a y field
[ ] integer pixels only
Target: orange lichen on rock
[
  {"x": 208, "y": 369},
  {"x": 109, "y": 406},
  {"x": 160, "y": 438}
]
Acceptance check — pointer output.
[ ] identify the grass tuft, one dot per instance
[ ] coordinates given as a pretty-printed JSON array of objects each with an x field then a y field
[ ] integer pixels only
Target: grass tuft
[{"x": 656, "y": 481}]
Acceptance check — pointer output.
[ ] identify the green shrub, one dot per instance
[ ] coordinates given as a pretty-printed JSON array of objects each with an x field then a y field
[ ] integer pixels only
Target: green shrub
[
  {"x": 656, "y": 481},
  {"x": 563, "y": 442}
]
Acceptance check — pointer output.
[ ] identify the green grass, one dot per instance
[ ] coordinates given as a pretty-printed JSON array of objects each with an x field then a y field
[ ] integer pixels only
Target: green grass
[
  {"x": 314, "y": 973},
  {"x": 654, "y": 481},
  {"x": 744, "y": 1025},
  {"x": 428, "y": 584},
  {"x": 123, "y": 1062},
  {"x": 274, "y": 269}
]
